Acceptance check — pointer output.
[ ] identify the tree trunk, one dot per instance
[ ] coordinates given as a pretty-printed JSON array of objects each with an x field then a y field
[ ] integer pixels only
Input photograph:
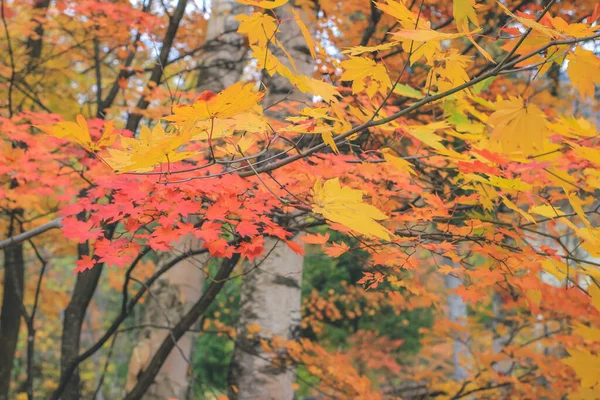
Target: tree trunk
[
  {"x": 10, "y": 318},
  {"x": 84, "y": 289},
  {"x": 222, "y": 64},
  {"x": 271, "y": 293},
  {"x": 271, "y": 299},
  {"x": 169, "y": 300},
  {"x": 457, "y": 313}
]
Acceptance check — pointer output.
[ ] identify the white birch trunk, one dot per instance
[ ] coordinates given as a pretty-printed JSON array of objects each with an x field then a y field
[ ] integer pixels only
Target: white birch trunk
[
  {"x": 271, "y": 293},
  {"x": 457, "y": 313},
  {"x": 271, "y": 299}
]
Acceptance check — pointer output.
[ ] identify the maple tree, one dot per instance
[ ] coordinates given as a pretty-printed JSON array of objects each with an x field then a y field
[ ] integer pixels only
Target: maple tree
[{"x": 443, "y": 154}]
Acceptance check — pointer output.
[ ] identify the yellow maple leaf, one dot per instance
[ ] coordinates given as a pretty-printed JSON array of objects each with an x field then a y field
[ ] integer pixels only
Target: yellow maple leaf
[
  {"x": 259, "y": 27},
  {"x": 234, "y": 100},
  {"x": 556, "y": 268},
  {"x": 306, "y": 33},
  {"x": 356, "y": 50},
  {"x": 398, "y": 163},
  {"x": 399, "y": 11},
  {"x": 584, "y": 71},
  {"x": 266, "y": 4},
  {"x": 79, "y": 132},
  {"x": 345, "y": 206},
  {"x": 586, "y": 366},
  {"x": 427, "y": 35},
  {"x": 547, "y": 211},
  {"x": 508, "y": 203},
  {"x": 518, "y": 126},
  {"x": 317, "y": 121},
  {"x": 591, "y": 240},
  {"x": 153, "y": 147},
  {"x": 587, "y": 332},
  {"x": 577, "y": 30},
  {"x": 366, "y": 75},
  {"x": 464, "y": 11},
  {"x": 266, "y": 60}
]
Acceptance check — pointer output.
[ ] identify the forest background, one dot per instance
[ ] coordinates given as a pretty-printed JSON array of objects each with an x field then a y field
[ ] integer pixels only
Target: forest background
[{"x": 273, "y": 199}]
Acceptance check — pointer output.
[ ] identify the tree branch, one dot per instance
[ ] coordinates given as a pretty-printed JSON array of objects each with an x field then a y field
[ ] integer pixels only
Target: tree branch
[{"x": 13, "y": 240}]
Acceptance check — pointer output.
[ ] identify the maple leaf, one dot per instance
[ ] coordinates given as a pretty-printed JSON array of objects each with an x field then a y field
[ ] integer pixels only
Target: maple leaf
[
  {"x": 246, "y": 228},
  {"x": 236, "y": 99},
  {"x": 79, "y": 230},
  {"x": 375, "y": 278},
  {"x": 219, "y": 248},
  {"x": 518, "y": 126},
  {"x": 295, "y": 247},
  {"x": 577, "y": 30},
  {"x": 80, "y": 133},
  {"x": 267, "y": 61},
  {"x": 366, "y": 75},
  {"x": 84, "y": 263},
  {"x": 337, "y": 249},
  {"x": 398, "y": 163},
  {"x": 305, "y": 32},
  {"x": 586, "y": 366},
  {"x": 316, "y": 238},
  {"x": 427, "y": 35},
  {"x": 260, "y": 28},
  {"x": 584, "y": 71},
  {"x": 253, "y": 248},
  {"x": 356, "y": 50},
  {"x": 464, "y": 12},
  {"x": 399, "y": 11},
  {"x": 547, "y": 211},
  {"x": 153, "y": 147},
  {"x": 266, "y": 4},
  {"x": 346, "y": 206}
]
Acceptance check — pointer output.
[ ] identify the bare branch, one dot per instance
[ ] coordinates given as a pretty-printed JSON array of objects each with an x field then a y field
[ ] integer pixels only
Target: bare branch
[{"x": 54, "y": 224}]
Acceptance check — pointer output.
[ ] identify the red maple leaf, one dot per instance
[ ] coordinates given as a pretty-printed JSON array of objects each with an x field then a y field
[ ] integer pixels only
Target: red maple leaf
[
  {"x": 219, "y": 248},
  {"x": 296, "y": 247},
  {"x": 83, "y": 264},
  {"x": 316, "y": 239},
  {"x": 79, "y": 230},
  {"x": 253, "y": 248},
  {"x": 246, "y": 228},
  {"x": 337, "y": 249}
]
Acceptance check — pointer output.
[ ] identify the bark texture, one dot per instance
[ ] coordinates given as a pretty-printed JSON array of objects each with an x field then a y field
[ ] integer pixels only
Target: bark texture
[
  {"x": 457, "y": 313},
  {"x": 223, "y": 61},
  {"x": 10, "y": 317},
  {"x": 271, "y": 298},
  {"x": 84, "y": 289},
  {"x": 271, "y": 292}
]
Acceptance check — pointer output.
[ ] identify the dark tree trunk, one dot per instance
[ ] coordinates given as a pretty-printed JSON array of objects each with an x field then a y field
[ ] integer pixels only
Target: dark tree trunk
[
  {"x": 84, "y": 289},
  {"x": 10, "y": 317},
  {"x": 34, "y": 43}
]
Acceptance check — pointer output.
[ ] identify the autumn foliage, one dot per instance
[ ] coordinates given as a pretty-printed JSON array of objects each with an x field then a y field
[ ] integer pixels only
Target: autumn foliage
[{"x": 441, "y": 155}]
